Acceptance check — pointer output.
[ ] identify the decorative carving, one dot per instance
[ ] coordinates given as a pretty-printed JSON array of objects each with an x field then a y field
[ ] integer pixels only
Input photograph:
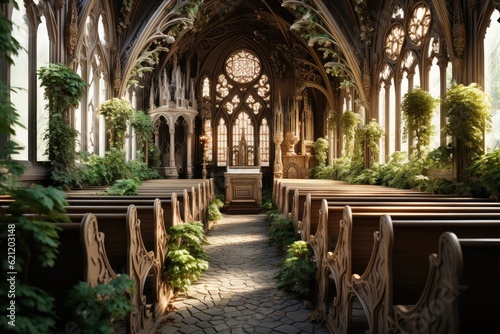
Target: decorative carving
[
  {"x": 72, "y": 29},
  {"x": 60, "y": 4},
  {"x": 366, "y": 79},
  {"x": 117, "y": 75},
  {"x": 99, "y": 270},
  {"x": 472, "y": 4},
  {"x": 459, "y": 33}
]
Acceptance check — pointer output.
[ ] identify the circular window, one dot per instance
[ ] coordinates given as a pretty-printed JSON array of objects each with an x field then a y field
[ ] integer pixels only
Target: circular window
[{"x": 243, "y": 66}]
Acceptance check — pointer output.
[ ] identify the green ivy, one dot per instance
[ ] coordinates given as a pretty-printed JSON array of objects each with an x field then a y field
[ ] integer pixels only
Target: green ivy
[
  {"x": 213, "y": 212},
  {"x": 64, "y": 90},
  {"x": 95, "y": 309},
  {"x": 144, "y": 129},
  {"x": 36, "y": 238},
  {"x": 298, "y": 271},
  {"x": 371, "y": 133}
]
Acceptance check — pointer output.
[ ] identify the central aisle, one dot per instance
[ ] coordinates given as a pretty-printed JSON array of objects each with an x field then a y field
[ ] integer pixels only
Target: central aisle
[{"x": 238, "y": 293}]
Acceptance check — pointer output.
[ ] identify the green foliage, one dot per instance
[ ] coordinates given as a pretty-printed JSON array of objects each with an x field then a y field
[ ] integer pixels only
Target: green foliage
[
  {"x": 487, "y": 172},
  {"x": 96, "y": 308},
  {"x": 64, "y": 90},
  {"x": 182, "y": 269},
  {"x": 213, "y": 212},
  {"x": 267, "y": 199},
  {"x": 441, "y": 157},
  {"x": 468, "y": 111},
  {"x": 402, "y": 173},
  {"x": 144, "y": 129},
  {"x": 124, "y": 187},
  {"x": 320, "y": 150},
  {"x": 96, "y": 170},
  {"x": 186, "y": 258},
  {"x": 117, "y": 112},
  {"x": 36, "y": 238},
  {"x": 370, "y": 134},
  {"x": 350, "y": 121},
  {"x": 417, "y": 109},
  {"x": 281, "y": 231},
  {"x": 324, "y": 172},
  {"x": 154, "y": 156},
  {"x": 297, "y": 274}
]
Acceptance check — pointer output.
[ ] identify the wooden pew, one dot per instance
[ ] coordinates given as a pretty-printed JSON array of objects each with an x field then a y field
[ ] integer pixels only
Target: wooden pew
[
  {"x": 355, "y": 243},
  {"x": 314, "y": 203},
  {"x": 399, "y": 269},
  {"x": 127, "y": 254},
  {"x": 307, "y": 225},
  {"x": 81, "y": 258},
  {"x": 154, "y": 237},
  {"x": 181, "y": 211}
]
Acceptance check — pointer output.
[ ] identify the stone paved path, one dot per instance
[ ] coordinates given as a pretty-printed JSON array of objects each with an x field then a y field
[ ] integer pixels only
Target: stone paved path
[{"x": 238, "y": 293}]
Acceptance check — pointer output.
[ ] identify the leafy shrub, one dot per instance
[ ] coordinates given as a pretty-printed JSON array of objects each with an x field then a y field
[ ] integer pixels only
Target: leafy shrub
[
  {"x": 487, "y": 172},
  {"x": 96, "y": 308},
  {"x": 124, "y": 187},
  {"x": 186, "y": 258},
  {"x": 213, "y": 212},
  {"x": 281, "y": 231},
  {"x": 297, "y": 274},
  {"x": 320, "y": 150}
]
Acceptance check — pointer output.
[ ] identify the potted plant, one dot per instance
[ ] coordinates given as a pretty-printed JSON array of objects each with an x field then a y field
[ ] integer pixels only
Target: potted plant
[
  {"x": 468, "y": 111},
  {"x": 417, "y": 109}
]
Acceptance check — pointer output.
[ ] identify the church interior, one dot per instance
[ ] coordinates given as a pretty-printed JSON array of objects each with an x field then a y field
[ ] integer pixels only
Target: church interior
[{"x": 240, "y": 95}]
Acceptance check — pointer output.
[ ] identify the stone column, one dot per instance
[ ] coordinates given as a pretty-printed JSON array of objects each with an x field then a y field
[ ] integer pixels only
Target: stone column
[
  {"x": 189, "y": 171},
  {"x": 172, "y": 147}
]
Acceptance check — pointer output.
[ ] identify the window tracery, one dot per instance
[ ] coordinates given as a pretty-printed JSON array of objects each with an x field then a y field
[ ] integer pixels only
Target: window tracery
[
  {"x": 223, "y": 87},
  {"x": 394, "y": 42},
  {"x": 243, "y": 66},
  {"x": 243, "y": 140},
  {"x": 232, "y": 105},
  {"x": 419, "y": 24},
  {"x": 264, "y": 137},
  {"x": 205, "y": 91}
]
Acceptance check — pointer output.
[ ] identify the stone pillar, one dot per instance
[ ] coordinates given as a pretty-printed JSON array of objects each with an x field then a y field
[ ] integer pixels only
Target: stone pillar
[
  {"x": 172, "y": 147},
  {"x": 189, "y": 171}
]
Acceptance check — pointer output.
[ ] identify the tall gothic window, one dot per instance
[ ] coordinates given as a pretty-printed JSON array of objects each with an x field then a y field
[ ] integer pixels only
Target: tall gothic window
[
  {"x": 222, "y": 143},
  {"x": 264, "y": 143},
  {"x": 492, "y": 78},
  {"x": 243, "y": 98},
  {"x": 394, "y": 42},
  {"x": 419, "y": 24}
]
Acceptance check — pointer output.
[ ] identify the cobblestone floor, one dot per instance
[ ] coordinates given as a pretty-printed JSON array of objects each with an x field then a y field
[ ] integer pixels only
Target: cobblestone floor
[{"x": 238, "y": 293}]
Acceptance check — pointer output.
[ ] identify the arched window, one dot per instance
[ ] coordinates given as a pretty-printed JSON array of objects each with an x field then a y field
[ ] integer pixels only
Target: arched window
[
  {"x": 243, "y": 98},
  {"x": 264, "y": 148},
  {"x": 387, "y": 114},
  {"x": 394, "y": 42},
  {"x": 419, "y": 24},
  {"x": 492, "y": 78},
  {"x": 222, "y": 143}
]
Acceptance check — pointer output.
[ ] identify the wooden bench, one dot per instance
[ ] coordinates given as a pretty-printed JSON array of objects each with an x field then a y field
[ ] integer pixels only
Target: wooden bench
[
  {"x": 401, "y": 272},
  {"x": 307, "y": 225},
  {"x": 174, "y": 213},
  {"x": 355, "y": 243},
  {"x": 128, "y": 255},
  {"x": 81, "y": 258},
  {"x": 303, "y": 207}
]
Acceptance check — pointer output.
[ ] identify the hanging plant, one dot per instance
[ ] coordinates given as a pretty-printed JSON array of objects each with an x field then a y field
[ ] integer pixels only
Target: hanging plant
[
  {"x": 417, "y": 109},
  {"x": 350, "y": 120},
  {"x": 117, "y": 112},
  {"x": 332, "y": 123},
  {"x": 468, "y": 110},
  {"x": 144, "y": 129},
  {"x": 64, "y": 90}
]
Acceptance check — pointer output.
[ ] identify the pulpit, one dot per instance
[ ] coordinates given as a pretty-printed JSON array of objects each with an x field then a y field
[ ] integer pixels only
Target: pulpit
[{"x": 243, "y": 185}]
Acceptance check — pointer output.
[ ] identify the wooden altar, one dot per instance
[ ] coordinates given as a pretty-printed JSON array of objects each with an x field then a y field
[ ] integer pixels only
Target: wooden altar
[{"x": 243, "y": 184}]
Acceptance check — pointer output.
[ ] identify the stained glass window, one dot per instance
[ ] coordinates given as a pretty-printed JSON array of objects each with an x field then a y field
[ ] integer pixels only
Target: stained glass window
[
  {"x": 233, "y": 104},
  {"x": 419, "y": 24},
  {"x": 243, "y": 129},
  {"x": 264, "y": 143},
  {"x": 255, "y": 106},
  {"x": 223, "y": 87},
  {"x": 243, "y": 66},
  {"x": 222, "y": 143}
]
